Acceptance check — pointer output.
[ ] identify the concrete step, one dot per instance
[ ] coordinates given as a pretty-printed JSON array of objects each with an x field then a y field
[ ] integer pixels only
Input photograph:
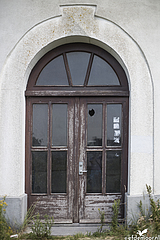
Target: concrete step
[{"x": 72, "y": 229}]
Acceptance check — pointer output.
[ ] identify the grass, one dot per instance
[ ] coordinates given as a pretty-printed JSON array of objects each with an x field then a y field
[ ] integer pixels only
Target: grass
[
  {"x": 78, "y": 236},
  {"x": 150, "y": 222}
]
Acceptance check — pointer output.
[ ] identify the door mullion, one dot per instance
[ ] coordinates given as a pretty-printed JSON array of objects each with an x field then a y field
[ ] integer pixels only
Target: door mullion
[
  {"x": 82, "y": 157},
  {"x": 49, "y": 149},
  {"x": 104, "y": 154},
  {"x": 76, "y": 159}
]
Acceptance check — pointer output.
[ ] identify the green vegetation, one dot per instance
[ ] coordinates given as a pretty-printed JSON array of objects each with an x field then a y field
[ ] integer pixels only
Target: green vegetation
[
  {"x": 148, "y": 220},
  {"x": 41, "y": 229},
  {"x": 101, "y": 213},
  {"x": 5, "y": 229},
  {"x": 115, "y": 208}
]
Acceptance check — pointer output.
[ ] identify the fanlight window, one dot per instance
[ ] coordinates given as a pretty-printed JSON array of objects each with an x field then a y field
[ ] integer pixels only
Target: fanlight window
[
  {"x": 102, "y": 73},
  {"x": 71, "y": 69},
  {"x": 53, "y": 73}
]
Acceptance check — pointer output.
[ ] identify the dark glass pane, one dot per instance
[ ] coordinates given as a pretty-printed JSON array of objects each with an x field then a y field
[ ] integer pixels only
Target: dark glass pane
[
  {"x": 40, "y": 125},
  {"x": 39, "y": 172},
  {"x": 113, "y": 172},
  {"x": 54, "y": 73},
  {"x": 94, "y": 128},
  {"x": 102, "y": 73},
  {"x": 59, "y": 127},
  {"x": 78, "y": 63},
  {"x": 94, "y": 172},
  {"x": 59, "y": 171},
  {"x": 114, "y": 122}
]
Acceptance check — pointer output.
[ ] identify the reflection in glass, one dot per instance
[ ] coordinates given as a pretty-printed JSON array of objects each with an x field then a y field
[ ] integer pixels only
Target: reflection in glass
[
  {"x": 102, "y": 73},
  {"x": 78, "y": 63},
  {"x": 113, "y": 171},
  {"x": 114, "y": 124},
  {"x": 59, "y": 171},
  {"x": 54, "y": 73},
  {"x": 94, "y": 172},
  {"x": 39, "y": 172},
  {"x": 94, "y": 128},
  {"x": 40, "y": 124},
  {"x": 59, "y": 127}
]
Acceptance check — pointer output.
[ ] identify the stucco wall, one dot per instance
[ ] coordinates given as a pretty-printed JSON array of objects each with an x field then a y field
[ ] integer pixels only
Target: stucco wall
[{"x": 130, "y": 30}]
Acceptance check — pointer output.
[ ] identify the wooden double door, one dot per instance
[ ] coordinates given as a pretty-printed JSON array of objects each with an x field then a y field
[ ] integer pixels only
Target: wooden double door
[{"x": 76, "y": 156}]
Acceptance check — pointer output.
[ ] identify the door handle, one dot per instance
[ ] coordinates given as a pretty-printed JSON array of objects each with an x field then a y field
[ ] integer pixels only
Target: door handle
[{"x": 81, "y": 171}]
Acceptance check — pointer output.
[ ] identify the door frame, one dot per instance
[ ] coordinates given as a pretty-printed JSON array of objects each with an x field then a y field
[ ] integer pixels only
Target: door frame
[
  {"x": 121, "y": 91},
  {"x": 76, "y": 196}
]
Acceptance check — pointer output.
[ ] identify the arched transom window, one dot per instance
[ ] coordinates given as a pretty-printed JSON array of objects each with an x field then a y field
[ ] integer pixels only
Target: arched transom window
[{"x": 78, "y": 67}]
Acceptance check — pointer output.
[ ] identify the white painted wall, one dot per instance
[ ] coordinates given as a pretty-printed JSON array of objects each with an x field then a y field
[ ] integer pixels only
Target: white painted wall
[{"x": 30, "y": 28}]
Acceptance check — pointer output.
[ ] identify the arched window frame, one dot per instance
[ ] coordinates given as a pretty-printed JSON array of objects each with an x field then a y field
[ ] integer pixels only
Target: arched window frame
[{"x": 36, "y": 90}]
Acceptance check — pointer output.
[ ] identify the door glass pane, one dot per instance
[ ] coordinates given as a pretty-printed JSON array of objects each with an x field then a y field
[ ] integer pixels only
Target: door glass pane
[
  {"x": 94, "y": 128},
  {"x": 102, "y": 73},
  {"x": 94, "y": 172},
  {"x": 39, "y": 172},
  {"x": 40, "y": 125},
  {"x": 113, "y": 171},
  {"x": 54, "y": 73},
  {"x": 59, "y": 171},
  {"x": 78, "y": 63},
  {"x": 59, "y": 125},
  {"x": 114, "y": 124}
]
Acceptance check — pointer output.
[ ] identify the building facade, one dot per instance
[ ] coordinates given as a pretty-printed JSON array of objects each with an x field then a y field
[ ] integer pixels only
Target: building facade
[{"x": 79, "y": 106}]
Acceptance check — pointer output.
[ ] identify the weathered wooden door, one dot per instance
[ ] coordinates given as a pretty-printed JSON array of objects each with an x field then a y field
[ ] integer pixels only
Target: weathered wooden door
[
  {"x": 77, "y": 151},
  {"x": 50, "y": 156},
  {"x": 102, "y": 156},
  {"x": 76, "y": 133}
]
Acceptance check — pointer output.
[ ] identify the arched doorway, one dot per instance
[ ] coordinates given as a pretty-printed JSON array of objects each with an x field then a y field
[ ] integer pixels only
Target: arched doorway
[{"x": 76, "y": 133}]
